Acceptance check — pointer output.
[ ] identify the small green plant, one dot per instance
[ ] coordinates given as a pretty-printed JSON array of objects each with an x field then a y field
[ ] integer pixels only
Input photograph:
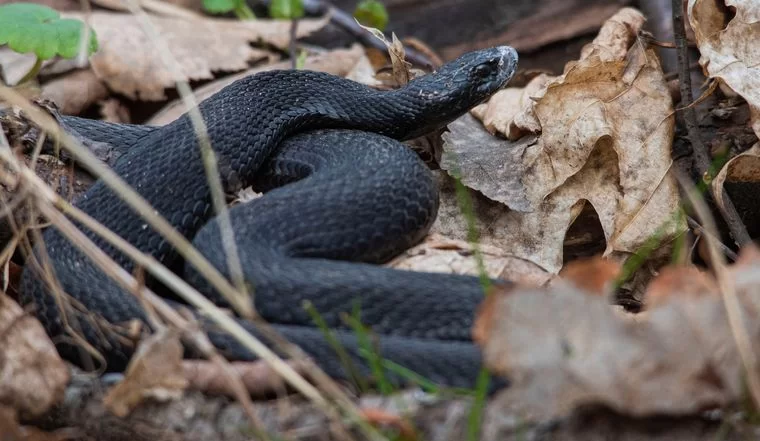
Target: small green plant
[
  {"x": 238, "y": 7},
  {"x": 286, "y": 9},
  {"x": 372, "y": 13},
  {"x": 31, "y": 28}
]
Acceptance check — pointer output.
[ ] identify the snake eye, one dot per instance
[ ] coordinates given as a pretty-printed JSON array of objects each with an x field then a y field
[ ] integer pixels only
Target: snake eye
[{"x": 483, "y": 70}]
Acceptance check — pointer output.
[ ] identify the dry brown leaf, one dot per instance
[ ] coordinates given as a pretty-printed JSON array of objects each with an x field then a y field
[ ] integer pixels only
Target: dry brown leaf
[
  {"x": 34, "y": 376},
  {"x": 382, "y": 419},
  {"x": 744, "y": 167},
  {"x": 75, "y": 92},
  {"x": 673, "y": 283},
  {"x": 155, "y": 371},
  {"x": 128, "y": 62},
  {"x": 498, "y": 113},
  {"x": 113, "y": 110},
  {"x": 728, "y": 46},
  {"x": 258, "y": 378},
  {"x": 562, "y": 349},
  {"x": 486, "y": 314},
  {"x": 337, "y": 62},
  {"x": 595, "y": 275},
  {"x": 439, "y": 254},
  {"x": 601, "y": 133}
]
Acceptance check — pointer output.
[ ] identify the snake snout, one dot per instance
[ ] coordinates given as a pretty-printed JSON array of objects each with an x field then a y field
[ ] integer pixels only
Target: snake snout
[{"x": 509, "y": 58}]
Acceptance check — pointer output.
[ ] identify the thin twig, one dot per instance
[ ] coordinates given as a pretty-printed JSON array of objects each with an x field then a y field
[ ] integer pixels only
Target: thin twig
[
  {"x": 87, "y": 159},
  {"x": 727, "y": 289},
  {"x": 292, "y": 43},
  {"x": 701, "y": 158},
  {"x": 240, "y": 299},
  {"x": 694, "y": 225},
  {"x": 348, "y": 23},
  {"x": 46, "y": 198}
]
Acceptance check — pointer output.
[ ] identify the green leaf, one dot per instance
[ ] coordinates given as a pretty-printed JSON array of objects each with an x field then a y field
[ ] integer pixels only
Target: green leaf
[
  {"x": 286, "y": 9},
  {"x": 219, "y": 6},
  {"x": 37, "y": 29},
  {"x": 372, "y": 13}
]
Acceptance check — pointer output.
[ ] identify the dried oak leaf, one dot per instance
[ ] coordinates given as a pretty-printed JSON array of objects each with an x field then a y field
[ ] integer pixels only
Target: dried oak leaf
[
  {"x": 562, "y": 347},
  {"x": 728, "y": 46},
  {"x": 155, "y": 371},
  {"x": 600, "y": 133},
  {"x": 34, "y": 377},
  {"x": 129, "y": 62}
]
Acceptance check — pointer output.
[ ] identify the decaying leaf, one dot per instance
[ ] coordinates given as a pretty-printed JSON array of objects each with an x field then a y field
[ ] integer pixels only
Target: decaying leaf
[
  {"x": 727, "y": 41},
  {"x": 742, "y": 168},
  {"x": 155, "y": 371},
  {"x": 441, "y": 254},
  {"x": 595, "y": 276},
  {"x": 258, "y": 377},
  {"x": 562, "y": 347},
  {"x": 75, "y": 92},
  {"x": 34, "y": 376},
  {"x": 129, "y": 63},
  {"x": 600, "y": 133}
]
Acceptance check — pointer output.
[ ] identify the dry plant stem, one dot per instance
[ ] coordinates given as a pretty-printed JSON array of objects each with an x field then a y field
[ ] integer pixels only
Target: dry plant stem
[
  {"x": 168, "y": 313},
  {"x": 348, "y": 23},
  {"x": 134, "y": 200},
  {"x": 45, "y": 201},
  {"x": 292, "y": 44},
  {"x": 728, "y": 252},
  {"x": 220, "y": 207},
  {"x": 240, "y": 300},
  {"x": 727, "y": 289},
  {"x": 45, "y": 197},
  {"x": 701, "y": 158},
  {"x": 85, "y": 158}
]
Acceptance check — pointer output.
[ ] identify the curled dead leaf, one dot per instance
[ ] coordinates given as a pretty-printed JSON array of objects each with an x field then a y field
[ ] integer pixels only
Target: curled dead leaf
[
  {"x": 600, "y": 133},
  {"x": 562, "y": 350},
  {"x": 674, "y": 283},
  {"x": 155, "y": 371},
  {"x": 34, "y": 376},
  {"x": 258, "y": 377},
  {"x": 723, "y": 36},
  {"x": 595, "y": 275},
  {"x": 438, "y": 253}
]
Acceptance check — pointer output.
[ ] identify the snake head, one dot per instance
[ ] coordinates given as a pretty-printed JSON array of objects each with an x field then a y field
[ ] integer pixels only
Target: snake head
[
  {"x": 462, "y": 84},
  {"x": 478, "y": 75}
]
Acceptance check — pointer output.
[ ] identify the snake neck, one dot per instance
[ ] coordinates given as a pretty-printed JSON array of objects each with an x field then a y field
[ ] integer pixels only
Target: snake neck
[{"x": 297, "y": 101}]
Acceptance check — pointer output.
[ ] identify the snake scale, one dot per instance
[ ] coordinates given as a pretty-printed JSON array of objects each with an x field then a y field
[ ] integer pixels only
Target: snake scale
[{"x": 342, "y": 194}]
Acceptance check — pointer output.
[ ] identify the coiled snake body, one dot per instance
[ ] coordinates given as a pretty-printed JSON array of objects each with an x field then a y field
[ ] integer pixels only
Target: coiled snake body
[{"x": 342, "y": 194}]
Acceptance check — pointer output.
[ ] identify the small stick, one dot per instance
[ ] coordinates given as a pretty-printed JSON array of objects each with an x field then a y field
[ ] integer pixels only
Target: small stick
[{"x": 701, "y": 159}]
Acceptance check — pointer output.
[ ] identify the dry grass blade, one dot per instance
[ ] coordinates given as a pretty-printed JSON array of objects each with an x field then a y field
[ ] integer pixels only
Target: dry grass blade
[
  {"x": 46, "y": 200},
  {"x": 86, "y": 159},
  {"x": 136, "y": 202},
  {"x": 240, "y": 299},
  {"x": 727, "y": 289}
]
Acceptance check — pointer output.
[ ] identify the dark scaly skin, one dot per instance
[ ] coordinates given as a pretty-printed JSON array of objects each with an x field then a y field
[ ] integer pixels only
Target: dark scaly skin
[{"x": 247, "y": 121}]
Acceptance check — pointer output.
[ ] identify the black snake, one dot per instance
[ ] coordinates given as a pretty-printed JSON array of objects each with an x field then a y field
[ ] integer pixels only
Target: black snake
[{"x": 342, "y": 194}]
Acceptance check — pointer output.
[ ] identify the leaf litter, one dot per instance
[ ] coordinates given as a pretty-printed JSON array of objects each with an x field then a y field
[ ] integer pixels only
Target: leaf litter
[
  {"x": 564, "y": 347},
  {"x": 598, "y": 134}
]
